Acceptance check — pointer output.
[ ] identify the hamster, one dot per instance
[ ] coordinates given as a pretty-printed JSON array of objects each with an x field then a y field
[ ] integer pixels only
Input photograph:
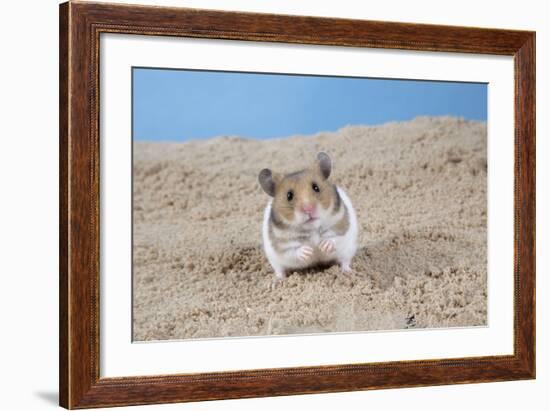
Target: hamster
[{"x": 308, "y": 221}]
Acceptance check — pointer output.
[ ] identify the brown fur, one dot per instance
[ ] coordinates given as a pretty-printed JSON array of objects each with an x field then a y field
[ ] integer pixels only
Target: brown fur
[
  {"x": 342, "y": 226},
  {"x": 300, "y": 183},
  {"x": 279, "y": 243}
]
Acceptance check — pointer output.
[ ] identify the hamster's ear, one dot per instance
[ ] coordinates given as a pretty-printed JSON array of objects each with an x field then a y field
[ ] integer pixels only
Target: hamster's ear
[
  {"x": 324, "y": 163},
  {"x": 267, "y": 182}
]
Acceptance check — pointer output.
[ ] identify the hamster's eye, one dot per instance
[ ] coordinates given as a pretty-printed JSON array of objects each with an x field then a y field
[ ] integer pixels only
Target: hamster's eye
[
  {"x": 289, "y": 195},
  {"x": 315, "y": 187}
]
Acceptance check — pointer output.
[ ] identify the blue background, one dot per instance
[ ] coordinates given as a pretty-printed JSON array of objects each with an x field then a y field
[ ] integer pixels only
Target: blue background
[{"x": 182, "y": 104}]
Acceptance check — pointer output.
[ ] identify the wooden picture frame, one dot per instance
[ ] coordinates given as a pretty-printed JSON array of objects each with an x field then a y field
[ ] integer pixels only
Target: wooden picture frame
[{"x": 80, "y": 27}]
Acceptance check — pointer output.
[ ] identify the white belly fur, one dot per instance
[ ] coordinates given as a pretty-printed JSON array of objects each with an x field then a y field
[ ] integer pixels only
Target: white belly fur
[{"x": 346, "y": 245}]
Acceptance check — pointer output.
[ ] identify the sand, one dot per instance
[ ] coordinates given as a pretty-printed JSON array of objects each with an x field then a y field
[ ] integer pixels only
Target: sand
[{"x": 419, "y": 189}]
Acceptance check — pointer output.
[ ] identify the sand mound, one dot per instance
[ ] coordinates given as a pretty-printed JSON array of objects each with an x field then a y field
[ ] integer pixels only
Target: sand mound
[{"x": 419, "y": 189}]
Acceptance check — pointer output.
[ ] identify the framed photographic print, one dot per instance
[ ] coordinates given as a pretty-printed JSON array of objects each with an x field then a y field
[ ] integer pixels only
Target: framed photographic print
[{"x": 259, "y": 205}]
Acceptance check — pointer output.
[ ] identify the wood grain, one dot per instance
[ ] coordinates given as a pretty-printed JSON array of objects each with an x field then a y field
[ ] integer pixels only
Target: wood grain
[
  {"x": 63, "y": 205},
  {"x": 80, "y": 27}
]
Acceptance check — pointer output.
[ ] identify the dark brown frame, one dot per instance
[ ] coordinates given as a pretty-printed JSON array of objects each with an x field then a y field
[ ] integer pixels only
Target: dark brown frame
[{"x": 80, "y": 27}]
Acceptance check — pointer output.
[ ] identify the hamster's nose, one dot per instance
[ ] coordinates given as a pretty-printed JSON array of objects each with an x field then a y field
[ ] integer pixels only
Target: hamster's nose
[{"x": 308, "y": 208}]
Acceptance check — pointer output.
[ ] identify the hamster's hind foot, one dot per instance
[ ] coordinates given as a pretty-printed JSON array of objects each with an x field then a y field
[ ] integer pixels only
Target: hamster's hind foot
[
  {"x": 278, "y": 279},
  {"x": 277, "y": 282},
  {"x": 346, "y": 268}
]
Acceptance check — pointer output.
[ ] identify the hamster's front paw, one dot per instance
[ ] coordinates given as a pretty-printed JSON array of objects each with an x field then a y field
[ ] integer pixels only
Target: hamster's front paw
[
  {"x": 327, "y": 246},
  {"x": 304, "y": 253}
]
